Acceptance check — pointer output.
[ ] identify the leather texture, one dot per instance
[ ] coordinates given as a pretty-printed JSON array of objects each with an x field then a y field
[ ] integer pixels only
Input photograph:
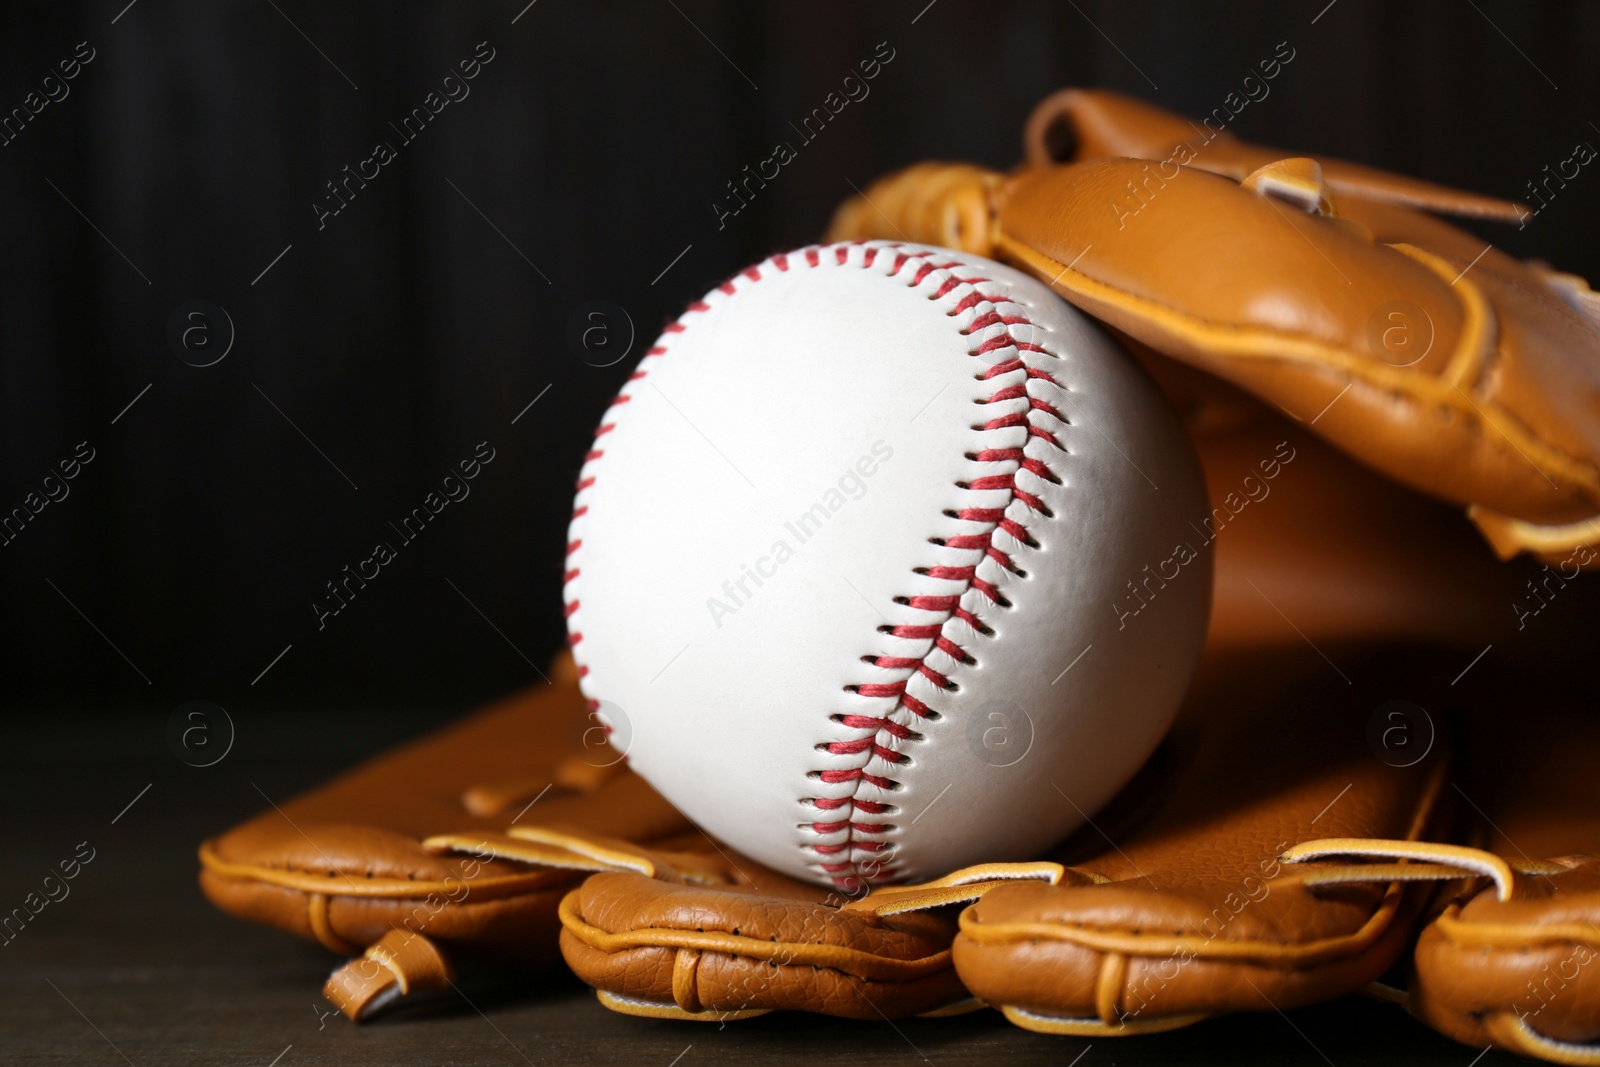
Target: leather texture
[
  {"x": 1520, "y": 968},
  {"x": 438, "y": 810},
  {"x": 1318, "y": 546},
  {"x": 719, "y": 937},
  {"x": 1078, "y": 124},
  {"x": 1305, "y": 533},
  {"x": 1413, "y": 346},
  {"x": 1184, "y": 906},
  {"x": 1505, "y": 957},
  {"x": 1272, "y": 750},
  {"x": 1502, "y": 418},
  {"x": 399, "y": 964},
  {"x": 853, "y": 519},
  {"x": 1277, "y": 883},
  {"x": 356, "y": 859}
]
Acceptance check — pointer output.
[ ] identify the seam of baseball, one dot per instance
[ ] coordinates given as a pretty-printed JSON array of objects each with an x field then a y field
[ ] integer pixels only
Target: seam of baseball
[
  {"x": 835, "y": 859},
  {"x": 954, "y": 614}
]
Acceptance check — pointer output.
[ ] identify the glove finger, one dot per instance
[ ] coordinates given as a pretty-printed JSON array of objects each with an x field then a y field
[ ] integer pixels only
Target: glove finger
[
  {"x": 408, "y": 842},
  {"x": 1486, "y": 395},
  {"x": 1194, "y": 913},
  {"x": 1082, "y": 124},
  {"x": 1523, "y": 972},
  {"x": 766, "y": 942}
]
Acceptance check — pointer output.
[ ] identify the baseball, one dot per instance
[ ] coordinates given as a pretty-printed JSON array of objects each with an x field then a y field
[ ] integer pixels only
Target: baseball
[{"x": 880, "y": 564}]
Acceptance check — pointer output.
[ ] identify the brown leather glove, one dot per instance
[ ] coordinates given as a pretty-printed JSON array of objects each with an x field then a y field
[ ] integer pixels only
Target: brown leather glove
[
  {"x": 1513, "y": 960},
  {"x": 734, "y": 940},
  {"x": 1409, "y": 344},
  {"x": 1185, "y": 907},
  {"x": 760, "y": 942},
  {"x": 721, "y": 938},
  {"x": 433, "y": 854},
  {"x": 1304, "y": 537},
  {"x": 1502, "y": 417},
  {"x": 1508, "y": 955},
  {"x": 399, "y": 857},
  {"x": 1079, "y": 124},
  {"x": 1309, "y": 544},
  {"x": 1181, "y": 873}
]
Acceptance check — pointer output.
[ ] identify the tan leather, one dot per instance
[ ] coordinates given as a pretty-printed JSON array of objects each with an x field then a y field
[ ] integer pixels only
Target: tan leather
[
  {"x": 1182, "y": 905},
  {"x": 1077, "y": 124},
  {"x": 399, "y": 964},
  {"x": 407, "y": 841},
  {"x": 1182, "y": 872},
  {"x": 1506, "y": 956},
  {"x": 1304, "y": 277},
  {"x": 1305, "y": 536},
  {"x": 427, "y": 855},
  {"x": 738, "y": 940},
  {"x": 1498, "y": 413},
  {"x": 1519, "y": 966},
  {"x": 1318, "y": 544},
  {"x": 1088, "y": 955}
]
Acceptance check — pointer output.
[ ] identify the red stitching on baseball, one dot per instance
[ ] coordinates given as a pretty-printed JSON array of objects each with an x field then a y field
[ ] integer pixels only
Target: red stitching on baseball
[{"x": 848, "y": 873}]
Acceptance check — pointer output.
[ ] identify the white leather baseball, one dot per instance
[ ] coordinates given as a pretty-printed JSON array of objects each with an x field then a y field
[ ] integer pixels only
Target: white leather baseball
[{"x": 873, "y": 569}]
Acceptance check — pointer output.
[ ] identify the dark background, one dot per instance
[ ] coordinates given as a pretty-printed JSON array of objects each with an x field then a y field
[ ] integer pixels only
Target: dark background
[
  {"x": 423, "y": 319},
  {"x": 379, "y": 350}
]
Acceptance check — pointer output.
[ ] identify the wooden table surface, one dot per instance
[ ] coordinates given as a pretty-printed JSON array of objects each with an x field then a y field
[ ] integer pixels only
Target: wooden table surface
[{"x": 133, "y": 966}]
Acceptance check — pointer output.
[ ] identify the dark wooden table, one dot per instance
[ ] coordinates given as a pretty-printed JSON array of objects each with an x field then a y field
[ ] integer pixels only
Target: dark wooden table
[{"x": 133, "y": 966}]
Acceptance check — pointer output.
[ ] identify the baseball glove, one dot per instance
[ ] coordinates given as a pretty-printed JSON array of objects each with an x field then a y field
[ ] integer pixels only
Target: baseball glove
[
  {"x": 1314, "y": 543},
  {"x": 402, "y": 857},
  {"x": 1505, "y": 957},
  {"x": 1193, "y": 910},
  {"x": 1512, "y": 956},
  {"x": 670, "y": 924},
  {"x": 1491, "y": 404},
  {"x": 722, "y": 938},
  {"x": 721, "y": 952},
  {"x": 745, "y": 941},
  {"x": 1191, "y": 845},
  {"x": 1413, "y": 346},
  {"x": 462, "y": 845}
]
